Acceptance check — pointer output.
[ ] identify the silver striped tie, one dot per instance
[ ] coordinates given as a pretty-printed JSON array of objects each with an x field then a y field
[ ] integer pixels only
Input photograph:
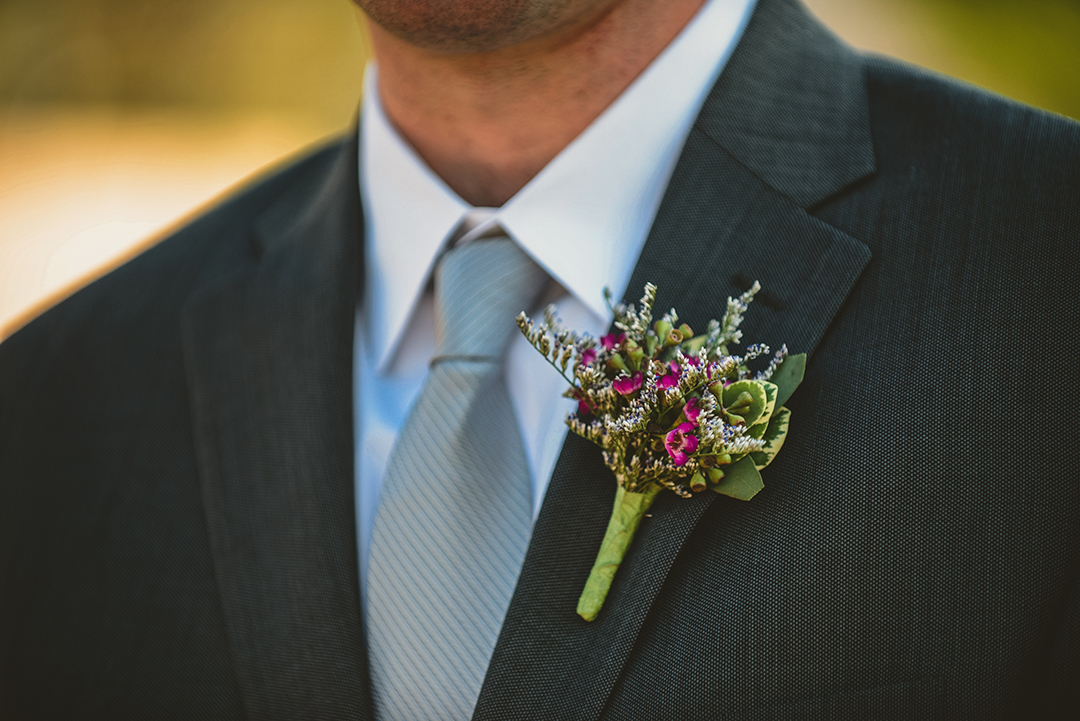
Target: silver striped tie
[{"x": 455, "y": 510}]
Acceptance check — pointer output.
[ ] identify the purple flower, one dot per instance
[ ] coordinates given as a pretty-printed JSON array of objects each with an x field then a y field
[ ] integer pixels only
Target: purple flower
[
  {"x": 680, "y": 443},
  {"x": 588, "y": 356},
  {"x": 669, "y": 380},
  {"x": 692, "y": 410},
  {"x": 611, "y": 341},
  {"x": 583, "y": 407},
  {"x": 625, "y": 386}
]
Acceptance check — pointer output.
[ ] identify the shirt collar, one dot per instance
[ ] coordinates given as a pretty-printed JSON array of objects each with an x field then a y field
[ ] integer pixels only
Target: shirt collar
[{"x": 584, "y": 218}]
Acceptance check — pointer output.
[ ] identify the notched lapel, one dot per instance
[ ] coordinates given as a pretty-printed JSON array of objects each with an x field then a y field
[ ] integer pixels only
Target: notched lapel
[
  {"x": 548, "y": 663},
  {"x": 269, "y": 359},
  {"x": 733, "y": 213},
  {"x": 792, "y": 106},
  {"x": 712, "y": 239}
]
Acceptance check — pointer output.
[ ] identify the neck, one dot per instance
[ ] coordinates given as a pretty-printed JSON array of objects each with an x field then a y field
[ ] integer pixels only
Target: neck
[{"x": 488, "y": 122}]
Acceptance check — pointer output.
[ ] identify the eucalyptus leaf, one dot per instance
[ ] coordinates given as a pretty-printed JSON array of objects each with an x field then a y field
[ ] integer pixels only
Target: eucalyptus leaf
[
  {"x": 741, "y": 480},
  {"x": 774, "y": 439},
  {"x": 787, "y": 377}
]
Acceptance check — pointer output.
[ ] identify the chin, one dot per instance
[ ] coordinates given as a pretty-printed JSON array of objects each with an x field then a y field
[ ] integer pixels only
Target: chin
[{"x": 471, "y": 25}]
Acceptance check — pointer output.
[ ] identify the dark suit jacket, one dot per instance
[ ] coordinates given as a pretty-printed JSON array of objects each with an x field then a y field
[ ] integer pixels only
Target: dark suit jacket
[{"x": 176, "y": 443}]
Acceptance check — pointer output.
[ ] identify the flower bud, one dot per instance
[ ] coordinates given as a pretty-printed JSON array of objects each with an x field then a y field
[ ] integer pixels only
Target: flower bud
[
  {"x": 635, "y": 356},
  {"x": 650, "y": 345},
  {"x": 565, "y": 360},
  {"x": 686, "y": 332},
  {"x": 744, "y": 401},
  {"x": 715, "y": 474},
  {"x": 697, "y": 483},
  {"x": 615, "y": 362},
  {"x": 662, "y": 328}
]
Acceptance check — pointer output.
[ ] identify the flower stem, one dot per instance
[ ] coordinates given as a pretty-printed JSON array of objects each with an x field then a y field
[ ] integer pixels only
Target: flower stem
[
  {"x": 555, "y": 365},
  {"x": 626, "y": 515}
]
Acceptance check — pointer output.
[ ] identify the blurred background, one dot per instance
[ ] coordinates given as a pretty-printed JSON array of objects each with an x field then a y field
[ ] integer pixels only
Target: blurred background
[{"x": 119, "y": 118}]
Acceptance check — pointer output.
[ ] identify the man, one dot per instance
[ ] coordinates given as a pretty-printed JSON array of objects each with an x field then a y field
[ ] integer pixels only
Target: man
[{"x": 177, "y": 442}]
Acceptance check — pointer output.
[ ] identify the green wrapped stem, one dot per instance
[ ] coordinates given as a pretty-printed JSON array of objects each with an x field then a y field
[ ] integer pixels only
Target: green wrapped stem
[{"x": 626, "y": 516}]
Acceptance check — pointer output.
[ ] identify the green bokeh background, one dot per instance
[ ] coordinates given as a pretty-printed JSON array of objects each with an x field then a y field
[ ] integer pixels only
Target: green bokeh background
[
  {"x": 305, "y": 56},
  {"x": 1026, "y": 49},
  {"x": 290, "y": 56}
]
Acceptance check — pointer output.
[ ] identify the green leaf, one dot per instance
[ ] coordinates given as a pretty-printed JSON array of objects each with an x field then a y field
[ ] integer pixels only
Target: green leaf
[
  {"x": 774, "y": 439},
  {"x": 771, "y": 392},
  {"x": 692, "y": 346},
  {"x": 757, "y": 396},
  {"x": 741, "y": 480},
  {"x": 787, "y": 377}
]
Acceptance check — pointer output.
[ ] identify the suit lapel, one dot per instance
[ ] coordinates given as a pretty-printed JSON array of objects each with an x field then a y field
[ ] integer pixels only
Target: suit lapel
[
  {"x": 734, "y": 212},
  {"x": 269, "y": 358}
]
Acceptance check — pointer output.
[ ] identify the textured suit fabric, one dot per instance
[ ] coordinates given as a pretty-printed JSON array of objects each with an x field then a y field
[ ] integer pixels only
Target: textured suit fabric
[{"x": 176, "y": 531}]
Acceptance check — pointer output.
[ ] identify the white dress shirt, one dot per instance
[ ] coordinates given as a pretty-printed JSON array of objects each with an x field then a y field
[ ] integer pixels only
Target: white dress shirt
[{"x": 584, "y": 219}]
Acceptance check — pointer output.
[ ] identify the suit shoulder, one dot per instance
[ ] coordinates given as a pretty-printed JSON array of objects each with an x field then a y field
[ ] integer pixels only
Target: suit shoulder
[
  {"x": 148, "y": 290},
  {"x": 952, "y": 155},
  {"x": 915, "y": 109}
]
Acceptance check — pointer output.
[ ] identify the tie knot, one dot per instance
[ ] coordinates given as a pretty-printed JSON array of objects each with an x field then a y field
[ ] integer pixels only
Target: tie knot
[{"x": 480, "y": 287}]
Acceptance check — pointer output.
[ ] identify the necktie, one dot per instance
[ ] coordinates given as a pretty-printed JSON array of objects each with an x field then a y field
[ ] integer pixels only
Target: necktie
[{"x": 455, "y": 509}]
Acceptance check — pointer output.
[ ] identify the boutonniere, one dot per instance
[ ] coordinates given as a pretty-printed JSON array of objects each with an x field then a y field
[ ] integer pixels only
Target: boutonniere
[{"x": 670, "y": 410}]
